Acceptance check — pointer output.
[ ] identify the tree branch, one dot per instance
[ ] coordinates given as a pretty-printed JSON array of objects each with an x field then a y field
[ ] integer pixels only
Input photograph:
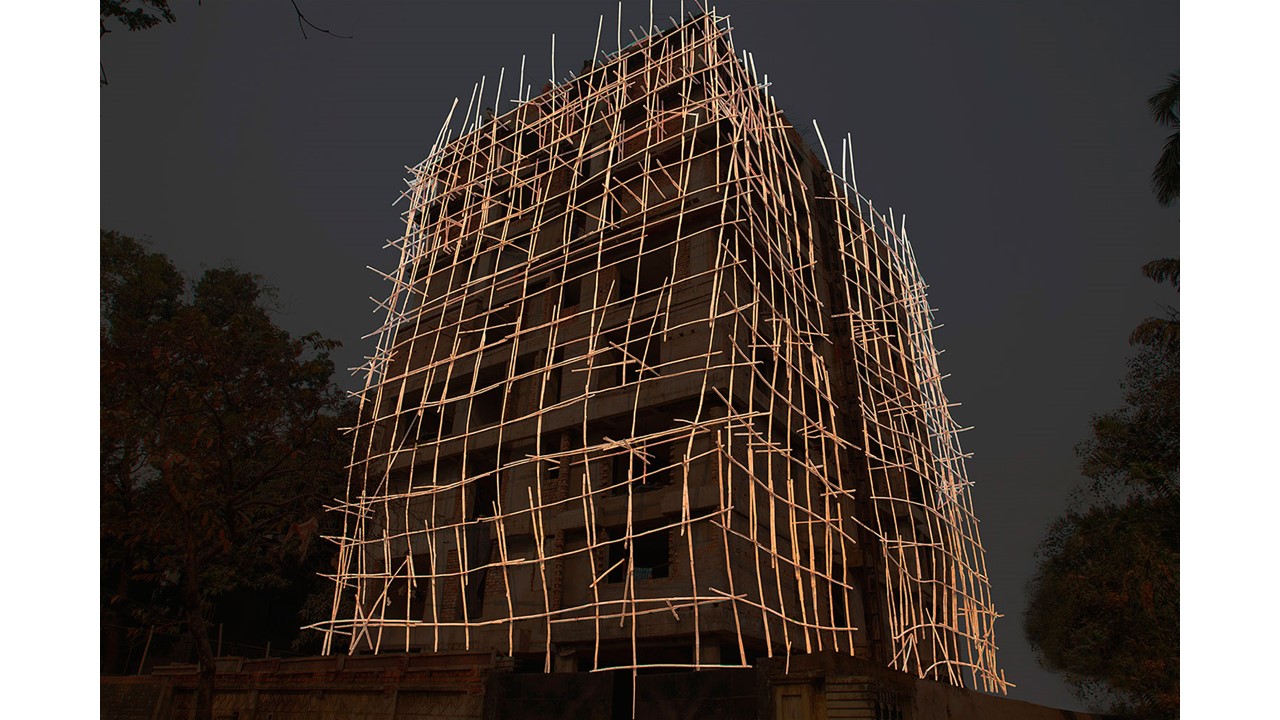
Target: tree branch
[{"x": 304, "y": 23}]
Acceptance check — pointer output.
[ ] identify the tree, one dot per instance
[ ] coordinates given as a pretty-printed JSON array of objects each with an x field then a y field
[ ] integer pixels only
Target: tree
[
  {"x": 1103, "y": 605},
  {"x": 1164, "y": 331},
  {"x": 134, "y": 14},
  {"x": 1104, "y": 609},
  {"x": 144, "y": 14},
  {"x": 138, "y": 290},
  {"x": 1165, "y": 184},
  {"x": 219, "y": 441},
  {"x": 1165, "y": 111}
]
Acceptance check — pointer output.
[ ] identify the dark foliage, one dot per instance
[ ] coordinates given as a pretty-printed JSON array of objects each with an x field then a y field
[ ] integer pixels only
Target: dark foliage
[
  {"x": 1104, "y": 609},
  {"x": 1160, "y": 332},
  {"x": 1134, "y": 450},
  {"x": 1165, "y": 111},
  {"x": 220, "y": 443},
  {"x": 134, "y": 14},
  {"x": 1103, "y": 606}
]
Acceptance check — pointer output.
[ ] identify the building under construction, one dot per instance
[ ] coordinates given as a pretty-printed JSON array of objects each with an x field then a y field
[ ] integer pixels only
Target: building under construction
[{"x": 656, "y": 388}]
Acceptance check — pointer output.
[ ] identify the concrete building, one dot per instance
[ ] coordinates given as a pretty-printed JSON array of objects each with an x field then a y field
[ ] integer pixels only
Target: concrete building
[{"x": 656, "y": 389}]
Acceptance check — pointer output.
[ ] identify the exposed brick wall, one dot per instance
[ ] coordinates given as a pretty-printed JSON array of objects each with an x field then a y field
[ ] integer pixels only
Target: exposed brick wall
[
  {"x": 557, "y": 572},
  {"x": 451, "y": 604},
  {"x": 684, "y": 253},
  {"x": 495, "y": 584}
]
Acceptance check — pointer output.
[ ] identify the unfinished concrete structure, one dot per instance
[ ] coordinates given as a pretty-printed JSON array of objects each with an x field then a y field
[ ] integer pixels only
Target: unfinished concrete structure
[{"x": 656, "y": 388}]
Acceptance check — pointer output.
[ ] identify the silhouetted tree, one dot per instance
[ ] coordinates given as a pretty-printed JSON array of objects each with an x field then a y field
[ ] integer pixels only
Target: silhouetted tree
[
  {"x": 1165, "y": 111},
  {"x": 134, "y": 14},
  {"x": 219, "y": 441},
  {"x": 1103, "y": 605},
  {"x": 1164, "y": 331},
  {"x": 1165, "y": 185},
  {"x": 138, "y": 290}
]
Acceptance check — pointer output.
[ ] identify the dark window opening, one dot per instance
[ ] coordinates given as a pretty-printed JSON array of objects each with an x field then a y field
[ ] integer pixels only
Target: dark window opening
[
  {"x": 631, "y": 369},
  {"x": 486, "y": 407},
  {"x": 571, "y": 293},
  {"x": 643, "y": 353},
  {"x": 398, "y": 481},
  {"x": 476, "y": 535},
  {"x": 501, "y": 325},
  {"x": 915, "y": 489},
  {"x": 555, "y": 380},
  {"x": 839, "y": 607},
  {"x": 485, "y": 504},
  {"x": 423, "y": 422},
  {"x": 628, "y": 469},
  {"x": 436, "y": 422},
  {"x": 615, "y": 358},
  {"x": 479, "y": 554},
  {"x": 620, "y": 473},
  {"x": 650, "y": 553},
  {"x": 551, "y": 391},
  {"x": 549, "y": 444},
  {"x": 408, "y": 410},
  {"x": 655, "y": 269},
  {"x": 528, "y": 142},
  {"x": 626, "y": 280}
]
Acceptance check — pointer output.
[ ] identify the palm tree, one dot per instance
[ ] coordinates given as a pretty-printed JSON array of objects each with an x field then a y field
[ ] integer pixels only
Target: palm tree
[
  {"x": 1164, "y": 183},
  {"x": 1164, "y": 109},
  {"x": 1162, "y": 332}
]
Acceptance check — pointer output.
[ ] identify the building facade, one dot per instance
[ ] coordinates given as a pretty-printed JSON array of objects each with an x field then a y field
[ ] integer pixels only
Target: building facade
[{"x": 656, "y": 388}]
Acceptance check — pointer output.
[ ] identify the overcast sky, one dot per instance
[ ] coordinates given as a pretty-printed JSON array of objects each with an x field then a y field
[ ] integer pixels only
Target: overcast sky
[{"x": 1015, "y": 136}]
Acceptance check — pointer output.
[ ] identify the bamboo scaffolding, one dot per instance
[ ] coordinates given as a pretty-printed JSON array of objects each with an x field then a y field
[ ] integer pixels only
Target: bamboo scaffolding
[{"x": 634, "y": 310}]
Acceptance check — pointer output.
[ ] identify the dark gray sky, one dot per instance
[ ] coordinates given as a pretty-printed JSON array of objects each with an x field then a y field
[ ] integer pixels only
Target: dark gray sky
[{"x": 1014, "y": 135}]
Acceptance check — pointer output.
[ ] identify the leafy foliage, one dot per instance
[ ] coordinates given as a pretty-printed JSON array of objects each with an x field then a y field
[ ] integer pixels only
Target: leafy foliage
[
  {"x": 219, "y": 440},
  {"x": 135, "y": 14},
  {"x": 1103, "y": 607},
  {"x": 1105, "y": 604},
  {"x": 1160, "y": 331},
  {"x": 1134, "y": 450},
  {"x": 1165, "y": 111}
]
